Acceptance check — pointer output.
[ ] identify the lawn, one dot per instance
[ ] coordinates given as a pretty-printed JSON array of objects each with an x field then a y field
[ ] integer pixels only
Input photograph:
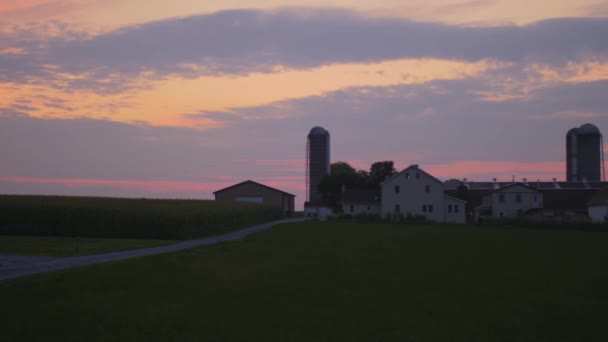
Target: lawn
[
  {"x": 331, "y": 282},
  {"x": 64, "y": 247}
]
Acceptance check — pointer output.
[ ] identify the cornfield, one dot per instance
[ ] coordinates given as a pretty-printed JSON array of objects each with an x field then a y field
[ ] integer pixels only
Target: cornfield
[{"x": 127, "y": 218}]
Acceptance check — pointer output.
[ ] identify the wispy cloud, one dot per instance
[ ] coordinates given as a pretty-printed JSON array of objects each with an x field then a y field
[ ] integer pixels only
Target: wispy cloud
[{"x": 239, "y": 42}]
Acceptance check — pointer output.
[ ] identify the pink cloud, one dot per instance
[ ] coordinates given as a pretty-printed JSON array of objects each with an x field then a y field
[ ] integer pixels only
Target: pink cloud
[{"x": 151, "y": 186}]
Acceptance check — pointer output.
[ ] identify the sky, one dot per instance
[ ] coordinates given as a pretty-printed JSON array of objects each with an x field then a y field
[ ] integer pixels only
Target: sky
[{"x": 158, "y": 99}]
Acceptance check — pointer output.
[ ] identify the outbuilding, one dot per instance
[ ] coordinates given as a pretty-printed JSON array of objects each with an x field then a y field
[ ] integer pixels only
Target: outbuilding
[
  {"x": 598, "y": 207},
  {"x": 253, "y": 192}
]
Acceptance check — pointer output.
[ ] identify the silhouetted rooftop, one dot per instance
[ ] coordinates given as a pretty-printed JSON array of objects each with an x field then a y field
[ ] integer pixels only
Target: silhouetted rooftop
[{"x": 317, "y": 130}]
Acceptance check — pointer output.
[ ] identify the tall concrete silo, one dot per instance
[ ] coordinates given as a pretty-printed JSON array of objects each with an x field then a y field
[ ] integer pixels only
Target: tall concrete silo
[
  {"x": 584, "y": 154},
  {"x": 317, "y": 162}
]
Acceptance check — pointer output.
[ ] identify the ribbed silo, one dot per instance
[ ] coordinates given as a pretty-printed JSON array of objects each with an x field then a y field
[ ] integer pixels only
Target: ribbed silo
[
  {"x": 571, "y": 155},
  {"x": 584, "y": 154},
  {"x": 317, "y": 162}
]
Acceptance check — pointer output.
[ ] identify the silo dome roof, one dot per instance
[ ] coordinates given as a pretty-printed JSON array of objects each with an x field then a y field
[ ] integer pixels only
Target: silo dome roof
[
  {"x": 318, "y": 131},
  {"x": 588, "y": 129},
  {"x": 572, "y": 131}
]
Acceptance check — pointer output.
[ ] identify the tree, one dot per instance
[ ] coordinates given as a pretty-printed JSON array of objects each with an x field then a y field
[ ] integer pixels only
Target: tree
[
  {"x": 380, "y": 171},
  {"x": 341, "y": 174}
]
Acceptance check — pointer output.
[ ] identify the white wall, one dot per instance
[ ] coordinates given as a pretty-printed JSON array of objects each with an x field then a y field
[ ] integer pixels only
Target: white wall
[
  {"x": 598, "y": 212},
  {"x": 510, "y": 207},
  {"x": 457, "y": 214},
  {"x": 412, "y": 195}
]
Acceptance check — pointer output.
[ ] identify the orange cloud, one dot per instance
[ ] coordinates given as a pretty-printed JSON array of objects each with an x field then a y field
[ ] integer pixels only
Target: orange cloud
[{"x": 166, "y": 101}]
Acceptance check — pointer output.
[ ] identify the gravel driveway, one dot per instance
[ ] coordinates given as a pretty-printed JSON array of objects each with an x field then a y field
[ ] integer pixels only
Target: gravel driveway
[{"x": 17, "y": 266}]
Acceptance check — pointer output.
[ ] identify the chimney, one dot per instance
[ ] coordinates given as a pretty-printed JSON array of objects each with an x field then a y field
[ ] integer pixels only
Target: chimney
[
  {"x": 555, "y": 184},
  {"x": 495, "y": 183},
  {"x": 465, "y": 182},
  {"x": 525, "y": 181}
]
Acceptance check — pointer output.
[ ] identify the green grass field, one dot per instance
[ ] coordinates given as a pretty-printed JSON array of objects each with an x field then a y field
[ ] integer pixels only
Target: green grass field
[
  {"x": 127, "y": 218},
  {"x": 331, "y": 282},
  {"x": 64, "y": 246}
]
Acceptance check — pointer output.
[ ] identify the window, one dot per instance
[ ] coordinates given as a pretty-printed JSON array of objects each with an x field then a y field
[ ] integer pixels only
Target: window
[
  {"x": 352, "y": 208},
  {"x": 397, "y": 189},
  {"x": 518, "y": 198},
  {"x": 501, "y": 214},
  {"x": 427, "y": 188},
  {"x": 430, "y": 208},
  {"x": 501, "y": 198},
  {"x": 369, "y": 207},
  {"x": 535, "y": 199},
  {"x": 397, "y": 208},
  {"x": 417, "y": 175},
  {"x": 450, "y": 209},
  {"x": 424, "y": 208},
  {"x": 456, "y": 208},
  {"x": 407, "y": 175}
]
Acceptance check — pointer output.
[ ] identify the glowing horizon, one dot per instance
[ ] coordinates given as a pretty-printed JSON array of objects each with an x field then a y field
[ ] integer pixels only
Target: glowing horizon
[{"x": 142, "y": 97}]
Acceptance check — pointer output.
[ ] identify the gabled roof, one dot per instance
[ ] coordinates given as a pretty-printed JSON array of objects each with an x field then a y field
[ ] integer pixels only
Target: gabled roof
[
  {"x": 512, "y": 185},
  {"x": 361, "y": 195},
  {"x": 471, "y": 196},
  {"x": 454, "y": 184},
  {"x": 409, "y": 168},
  {"x": 454, "y": 198},
  {"x": 252, "y": 182}
]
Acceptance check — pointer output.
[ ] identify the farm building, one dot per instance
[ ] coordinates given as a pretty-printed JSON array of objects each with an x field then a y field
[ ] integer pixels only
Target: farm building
[
  {"x": 253, "y": 192},
  {"x": 416, "y": 192},
  {"x": 361, "y": 201},
  {"x": 549, "y": 200},
  {"x": 598, "y": 206}
]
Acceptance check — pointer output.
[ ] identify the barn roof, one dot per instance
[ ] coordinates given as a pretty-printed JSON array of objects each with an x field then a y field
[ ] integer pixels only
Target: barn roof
[
  {"x": 361, "y": 195},
  {"x": 256, "y": 183}
]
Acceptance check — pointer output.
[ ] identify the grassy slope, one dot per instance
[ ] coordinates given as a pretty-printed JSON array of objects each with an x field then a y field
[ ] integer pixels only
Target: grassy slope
[
  {"x": 331, "y": 282},
  {"x": 64, "y": 246}
]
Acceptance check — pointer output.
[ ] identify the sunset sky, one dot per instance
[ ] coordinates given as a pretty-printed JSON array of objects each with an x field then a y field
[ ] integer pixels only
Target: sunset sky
[{"x": 177, "y": 99}]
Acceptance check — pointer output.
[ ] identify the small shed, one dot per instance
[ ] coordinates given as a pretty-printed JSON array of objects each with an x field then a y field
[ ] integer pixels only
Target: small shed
[
  {"x": 598, "y": 206},
  {"x": 361, "y": 201},
  {"x": 253, "y": 192}
]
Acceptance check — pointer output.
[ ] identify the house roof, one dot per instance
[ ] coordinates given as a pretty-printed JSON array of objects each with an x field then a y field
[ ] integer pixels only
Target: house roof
[
  {"x": 567, "y": 198},
  {"x": 252, "y": 182},
  {"x": 361, "y": 195},
  {"x": 512, "y": 185},
  {"x": 411, "y": 167},
  {"x": 471, "y": 196},
  {"x": 454, "y": 198},
  {"x": 489, "y": 186}
]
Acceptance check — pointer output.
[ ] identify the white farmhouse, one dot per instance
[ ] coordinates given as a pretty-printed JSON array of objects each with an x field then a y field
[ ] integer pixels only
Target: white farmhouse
[
  {"x": 512, "y": 200},
  {"x": 416, "y": 192}
]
